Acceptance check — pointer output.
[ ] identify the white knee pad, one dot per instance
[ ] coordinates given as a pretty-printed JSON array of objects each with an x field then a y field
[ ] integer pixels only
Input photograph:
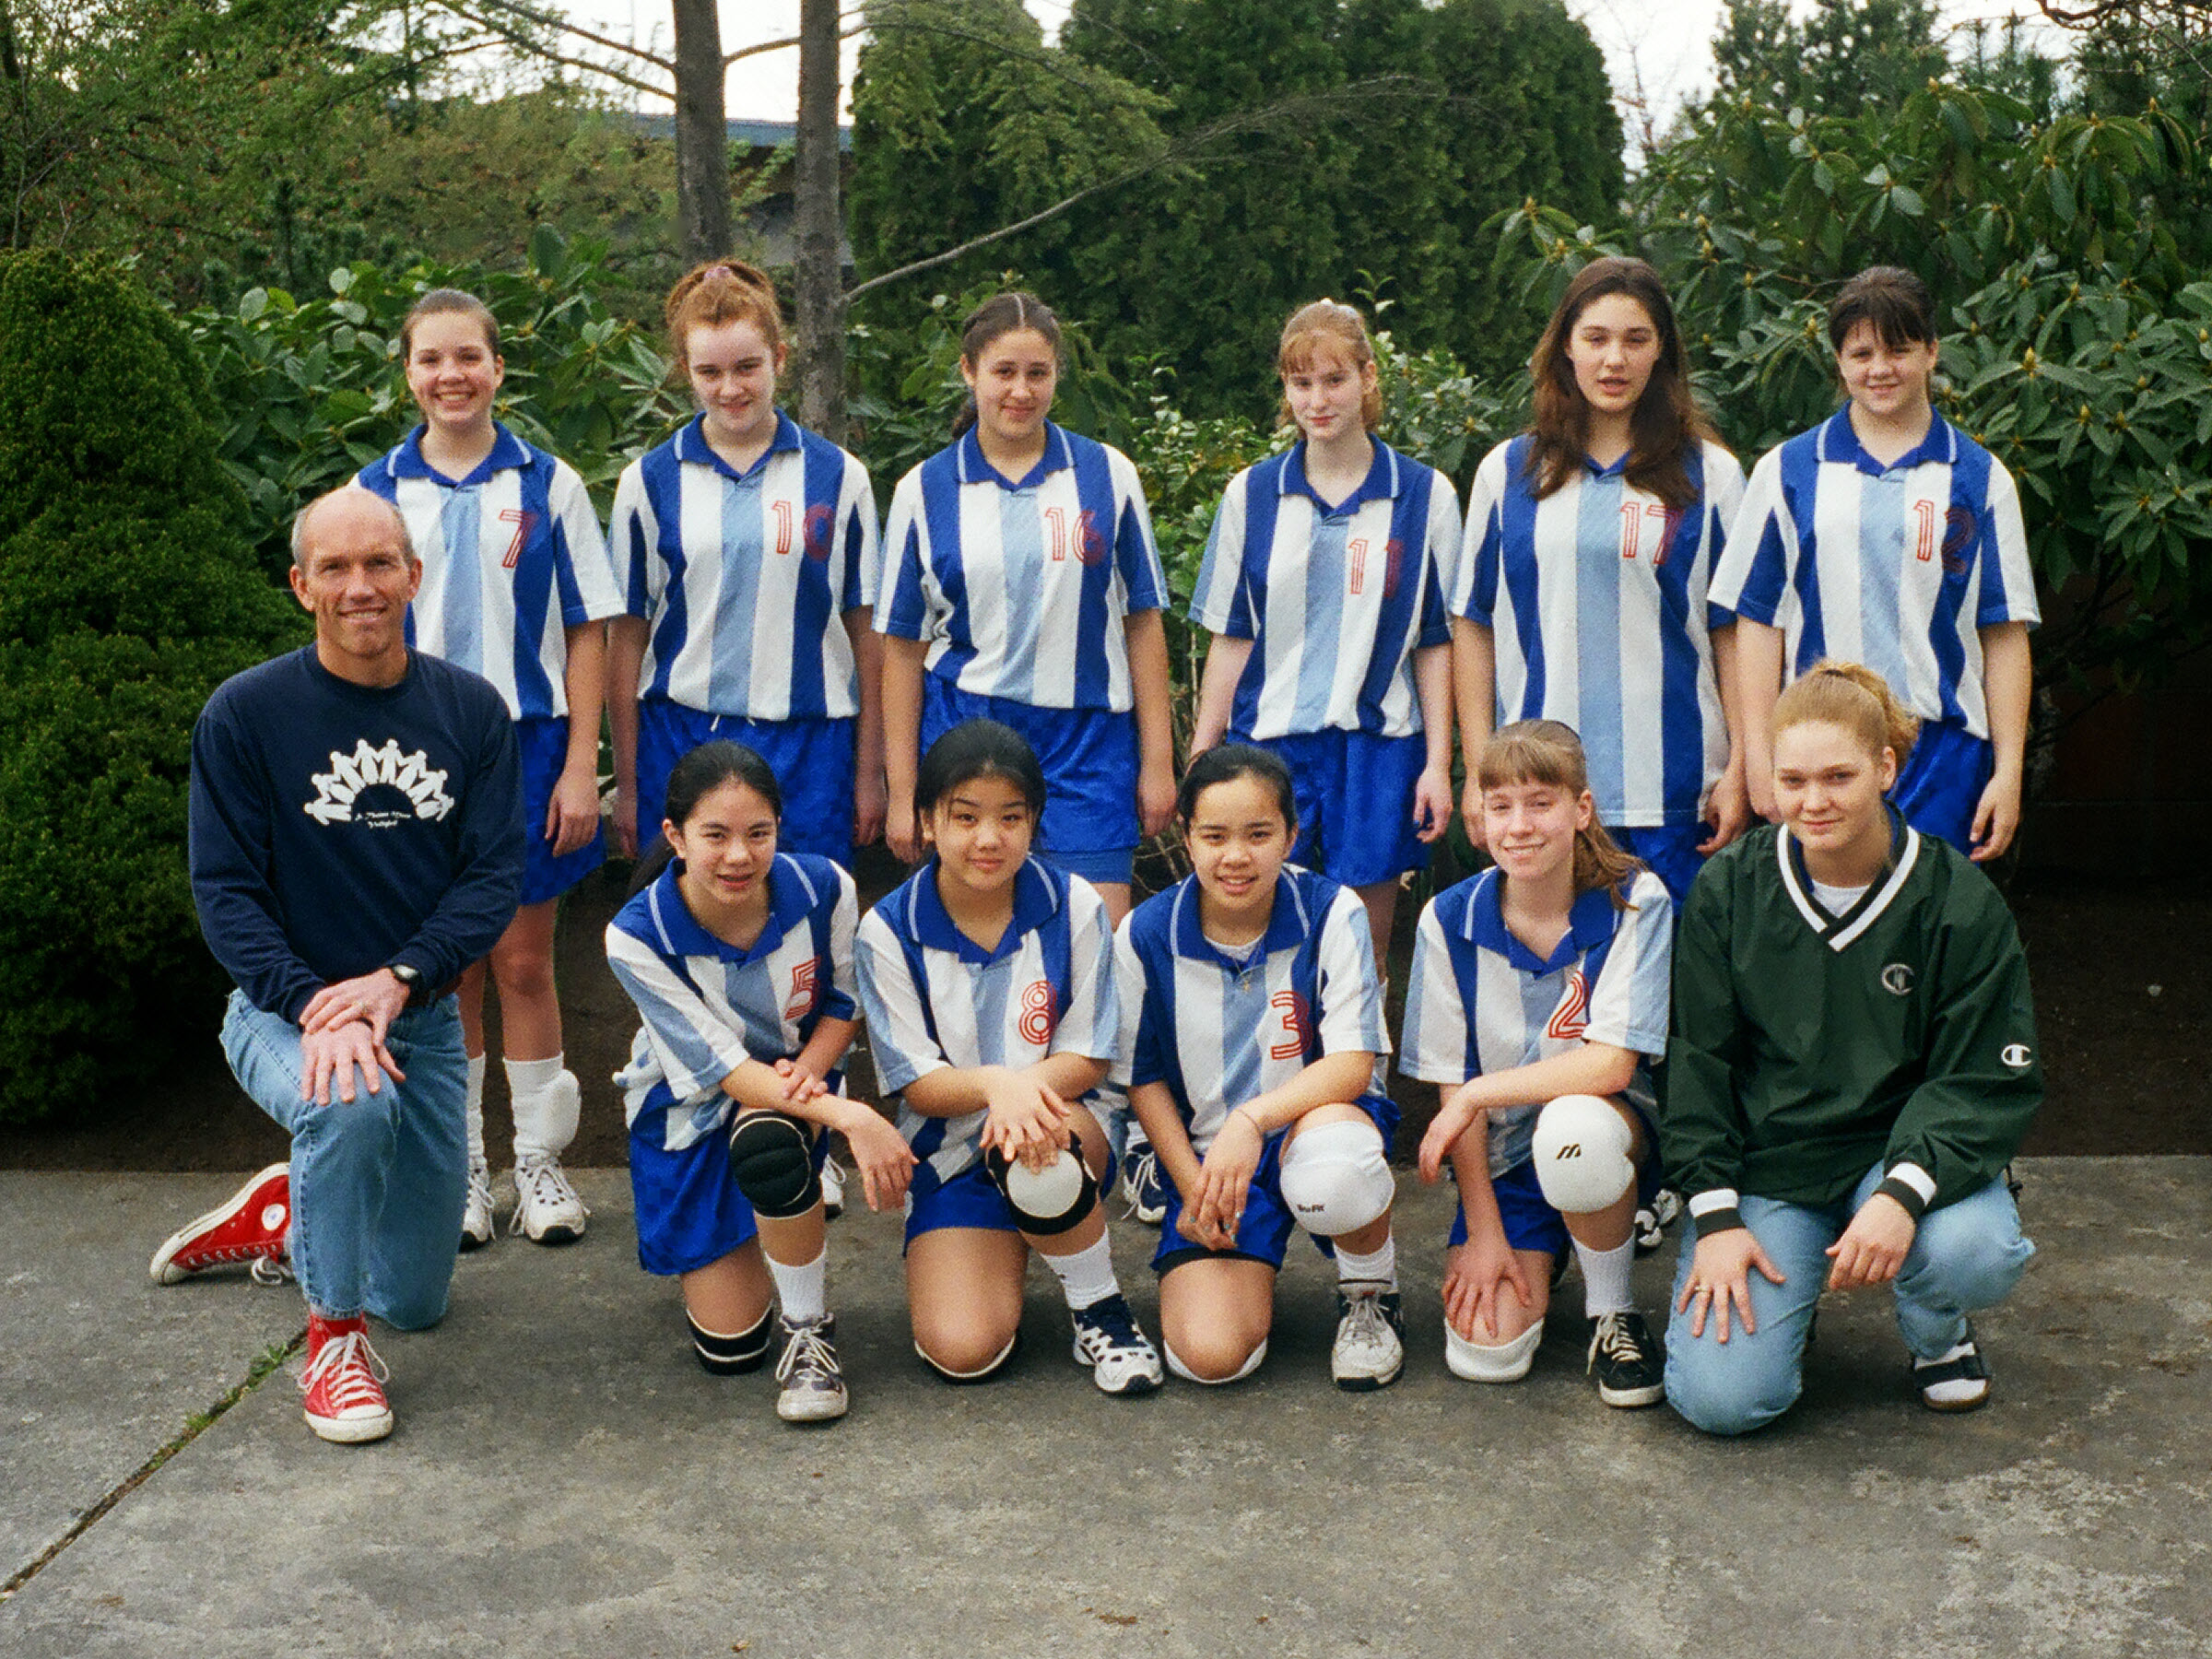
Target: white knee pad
[
  {"x": 1336, "y": 1178},
  {"x": 546, "y": 1119},
  {"x": 1506, "y": 1362},
  {"x": 1188, "y": 1375},
  {"x": 1582, "y": 1154}
]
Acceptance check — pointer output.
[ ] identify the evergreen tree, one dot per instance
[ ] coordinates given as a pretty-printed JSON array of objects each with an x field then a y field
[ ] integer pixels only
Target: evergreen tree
[{"x": 127, "y": 593}]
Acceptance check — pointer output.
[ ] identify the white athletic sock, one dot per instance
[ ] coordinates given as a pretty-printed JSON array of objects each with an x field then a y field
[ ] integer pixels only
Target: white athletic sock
[
  {"x": 473, "y": 1103},
  {"x": 801, "y": 1292},
  {"x": 1377, "y": 1267},
  {"x": 545, "y": 1112},
  {"x": 1606, "y": 1277},
  {"x": 1087, "y": 1277}
]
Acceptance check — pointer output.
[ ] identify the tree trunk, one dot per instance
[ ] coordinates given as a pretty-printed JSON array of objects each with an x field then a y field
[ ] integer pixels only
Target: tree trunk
[
  {"x": 819, "y": 272},
  {"x": 703, "y": 139}
]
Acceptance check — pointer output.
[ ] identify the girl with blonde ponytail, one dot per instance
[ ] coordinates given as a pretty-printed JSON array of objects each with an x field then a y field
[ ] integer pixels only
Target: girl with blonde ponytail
[{"x": 1853, "y": 1064}]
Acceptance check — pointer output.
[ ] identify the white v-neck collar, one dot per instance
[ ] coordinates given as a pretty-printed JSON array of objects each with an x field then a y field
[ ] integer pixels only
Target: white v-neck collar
[{"x": 1839, "y": 932}]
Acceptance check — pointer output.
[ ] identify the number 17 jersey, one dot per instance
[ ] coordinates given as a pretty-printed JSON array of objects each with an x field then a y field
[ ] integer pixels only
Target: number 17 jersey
[{"x": 1595, "y": 596}]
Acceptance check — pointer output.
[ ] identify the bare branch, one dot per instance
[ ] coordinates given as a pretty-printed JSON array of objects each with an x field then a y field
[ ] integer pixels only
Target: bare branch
[
  {"x": 533, "y": 49},
  {"x": 1338, "y": 100},
  {"x": 760, "y": 46},
  {"x": 559, "y": 26}
]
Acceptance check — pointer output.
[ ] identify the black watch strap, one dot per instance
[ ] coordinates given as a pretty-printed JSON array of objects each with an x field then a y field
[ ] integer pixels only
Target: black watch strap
[{"x": 410, "y": 977}]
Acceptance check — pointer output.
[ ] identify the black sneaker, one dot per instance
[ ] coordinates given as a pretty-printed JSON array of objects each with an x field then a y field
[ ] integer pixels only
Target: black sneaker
[
  {"x": 1957, "y": 1381},
  {"x": 1627, "y": 1360},
  {"x": 1122, "y": 1359},
  {"x": 814, "y": 1383}
]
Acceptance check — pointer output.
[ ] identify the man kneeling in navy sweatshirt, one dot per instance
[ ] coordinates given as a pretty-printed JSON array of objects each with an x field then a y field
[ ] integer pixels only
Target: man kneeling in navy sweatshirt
[{"x": 357, "y": 842}]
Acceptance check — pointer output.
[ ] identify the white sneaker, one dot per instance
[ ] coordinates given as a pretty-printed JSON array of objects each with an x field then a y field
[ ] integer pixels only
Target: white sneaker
[
  {"x": 1122, "y": 1358},
  {"x": 478, "y": 1225},
  {"x": 1370, "y": 1350},
  {"x": 545, "y": 1206},
  {"x": 833, "y": 1189}
]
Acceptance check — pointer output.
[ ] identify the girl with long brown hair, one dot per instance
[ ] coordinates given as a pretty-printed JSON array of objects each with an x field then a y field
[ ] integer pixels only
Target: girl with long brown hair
[{"x": 1580, "y": 595}]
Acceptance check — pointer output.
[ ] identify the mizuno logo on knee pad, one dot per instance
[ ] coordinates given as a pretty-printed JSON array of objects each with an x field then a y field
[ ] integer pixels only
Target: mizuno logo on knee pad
[{"x": 1572, "y": 1149}]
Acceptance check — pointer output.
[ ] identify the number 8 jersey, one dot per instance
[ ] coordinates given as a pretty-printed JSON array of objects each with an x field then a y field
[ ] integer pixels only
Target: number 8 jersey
[{"x": 935, "y": 998}]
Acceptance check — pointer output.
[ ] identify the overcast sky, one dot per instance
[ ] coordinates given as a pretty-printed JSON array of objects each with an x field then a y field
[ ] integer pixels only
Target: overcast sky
[{"x": 1663, "y": 45}]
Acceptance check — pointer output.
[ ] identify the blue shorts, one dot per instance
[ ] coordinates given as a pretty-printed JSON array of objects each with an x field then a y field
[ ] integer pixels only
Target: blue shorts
[
  {"x": 543, "y": 746},
  {"x": 1669, "y": 851},
  {"x": 971, "y": 1199},
  {"x": 1263, "y": 1230},
  {"x": 1355, "y": 802},
  {"x": 1090, "y": 760},
  {"x": 1940, "y": 784},
  {"x": 812, "y": 760},
  {"x": 1530, "y": 1221},
  {"x": 690, "y": 1213}
]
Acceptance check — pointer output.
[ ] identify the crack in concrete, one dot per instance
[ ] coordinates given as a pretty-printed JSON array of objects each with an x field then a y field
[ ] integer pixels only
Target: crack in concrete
[{"x": 265, "y": 1365}]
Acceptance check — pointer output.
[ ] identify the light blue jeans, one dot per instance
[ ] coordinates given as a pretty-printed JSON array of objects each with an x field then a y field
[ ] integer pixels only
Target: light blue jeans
[
  {"x": 377, "y": 1186},
  {"x": 1966, "y": 1255}
]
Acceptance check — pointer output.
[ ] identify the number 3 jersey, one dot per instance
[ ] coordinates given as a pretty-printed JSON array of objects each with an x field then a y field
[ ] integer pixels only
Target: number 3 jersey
[
  {"x": 1480, "y": 1001},
  {"x": 1335, "y": 599},
  {"x": 708, "y": 1006},
  {"x": 936, "y": 999},
  {"x": 1219, "y": 1025},
  {"x": 1595, "y": 599}
]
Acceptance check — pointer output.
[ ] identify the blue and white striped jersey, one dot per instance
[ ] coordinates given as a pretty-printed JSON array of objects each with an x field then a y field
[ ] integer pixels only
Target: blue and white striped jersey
[
  {"x": 745, "y": 579},
  {"x": 709, "y": 1006},
  {"x": 1595, "y": 599},
  {"x": 1021, "y": 586},
  {"x": 1895, "y": 567},
  {"x": 1218, "y": 1031},
  {"x": 935, "y": 998},
  {"x": 1480, "y": 1001},
  {"x": 1335, "y": 600},
  {"x": 512, "y": 558}
]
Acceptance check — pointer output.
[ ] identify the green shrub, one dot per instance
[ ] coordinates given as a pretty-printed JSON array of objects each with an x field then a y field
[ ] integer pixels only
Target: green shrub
[
  {"x": 127, "y": 593},
  {"x": 307, "y": 391}
]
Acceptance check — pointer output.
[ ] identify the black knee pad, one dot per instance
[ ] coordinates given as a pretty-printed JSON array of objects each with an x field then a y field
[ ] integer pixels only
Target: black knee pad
[
  {"x": 728, "y": 1356},
  {"x": 771, "y": 1156},
  {"x": 1046, "y": 1217}
]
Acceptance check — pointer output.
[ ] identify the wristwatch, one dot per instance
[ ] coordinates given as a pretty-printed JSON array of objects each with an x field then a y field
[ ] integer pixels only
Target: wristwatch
[{"x": 408, "y": 976}]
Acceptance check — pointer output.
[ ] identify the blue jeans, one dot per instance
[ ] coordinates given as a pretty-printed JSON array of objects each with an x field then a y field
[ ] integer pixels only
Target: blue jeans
[
  {"x": 1964, "y": 1257},
  {"x": 378, "y": 1186}
]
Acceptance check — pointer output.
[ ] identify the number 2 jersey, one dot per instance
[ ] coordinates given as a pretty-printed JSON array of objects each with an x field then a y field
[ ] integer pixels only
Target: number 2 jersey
[
  {"x": 1807, "y": 1046},
  {"x": 1481, "y": 1002}
]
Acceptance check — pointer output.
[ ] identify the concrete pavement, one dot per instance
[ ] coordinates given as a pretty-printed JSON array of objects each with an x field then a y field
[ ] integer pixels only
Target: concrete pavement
[{"x": 565, "y": 1481}]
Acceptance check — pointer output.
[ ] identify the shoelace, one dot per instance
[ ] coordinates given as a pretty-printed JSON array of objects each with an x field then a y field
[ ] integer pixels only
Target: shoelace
[
  {"x": 354, "y": 1369},
  {"x": 1363, "y": 1311},
  {"x": 1614, "y": 1337},
  {"x": 537, "y": 1183},
  {"x": 1113, "y": 1320},
  {"x": 271, "y": 1270},
  {"x": 1144, "y": 1172},
  {"x": 809, "y": 1357}
]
